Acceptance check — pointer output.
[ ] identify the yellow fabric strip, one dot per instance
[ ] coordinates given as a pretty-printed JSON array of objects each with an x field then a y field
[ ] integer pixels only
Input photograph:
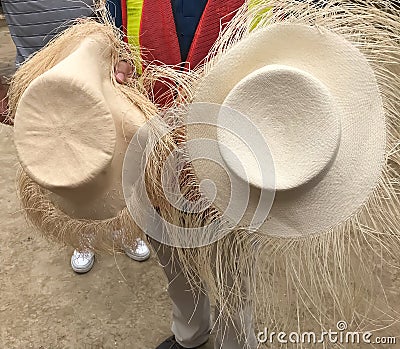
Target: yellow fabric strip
[{"x": 134, "y": 16}]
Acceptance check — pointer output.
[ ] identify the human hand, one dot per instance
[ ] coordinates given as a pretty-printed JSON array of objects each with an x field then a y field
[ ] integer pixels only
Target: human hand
[{"x": 123, "y": 72}]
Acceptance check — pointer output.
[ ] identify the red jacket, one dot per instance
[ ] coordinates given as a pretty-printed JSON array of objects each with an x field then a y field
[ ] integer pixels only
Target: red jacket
[{"x": 158, "y": 36}]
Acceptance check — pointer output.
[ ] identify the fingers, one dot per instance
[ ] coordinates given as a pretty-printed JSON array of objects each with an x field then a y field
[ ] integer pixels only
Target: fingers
[{"x": 123, "y": 72}]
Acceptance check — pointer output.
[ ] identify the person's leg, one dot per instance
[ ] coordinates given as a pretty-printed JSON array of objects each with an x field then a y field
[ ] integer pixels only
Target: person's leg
[
  {"x": 191, "y": 312},
  {"x": 235, "y": 333},
  {"x": 190, "y": 308},
  {"x": 233, "y": 327}
]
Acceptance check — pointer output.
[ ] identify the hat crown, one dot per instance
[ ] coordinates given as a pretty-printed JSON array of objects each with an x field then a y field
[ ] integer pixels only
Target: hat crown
[{"x": 298, "y": 118}]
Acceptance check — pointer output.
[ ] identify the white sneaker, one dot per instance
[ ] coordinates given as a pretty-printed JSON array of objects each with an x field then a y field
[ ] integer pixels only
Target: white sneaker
[
  {"x": 82, "y": 262},
  {"x": 140, "y": 253}
]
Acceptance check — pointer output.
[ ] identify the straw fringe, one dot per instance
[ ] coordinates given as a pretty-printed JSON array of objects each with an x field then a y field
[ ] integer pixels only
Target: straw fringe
[{"x": 55, "y": 225}]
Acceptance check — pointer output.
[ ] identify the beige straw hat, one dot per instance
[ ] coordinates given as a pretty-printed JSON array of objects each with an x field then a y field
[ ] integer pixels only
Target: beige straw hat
[
  {"x": 314, "y": 99},
  {"x": 72, "y": 127},
  {"x": 73, "y": 124}
]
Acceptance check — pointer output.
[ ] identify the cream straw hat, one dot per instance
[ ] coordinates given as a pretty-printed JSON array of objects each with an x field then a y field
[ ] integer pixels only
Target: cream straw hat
[
  {"x": 292, "y": 136},
  {"x": 315, "y": 99}
]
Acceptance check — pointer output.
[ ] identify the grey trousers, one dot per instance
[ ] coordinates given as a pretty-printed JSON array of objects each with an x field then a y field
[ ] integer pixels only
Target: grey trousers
[{"x": 191, "y": 322}]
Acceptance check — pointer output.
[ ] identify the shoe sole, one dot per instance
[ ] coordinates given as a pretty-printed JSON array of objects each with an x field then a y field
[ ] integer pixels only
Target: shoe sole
[{"x": 137, "y": 258}]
